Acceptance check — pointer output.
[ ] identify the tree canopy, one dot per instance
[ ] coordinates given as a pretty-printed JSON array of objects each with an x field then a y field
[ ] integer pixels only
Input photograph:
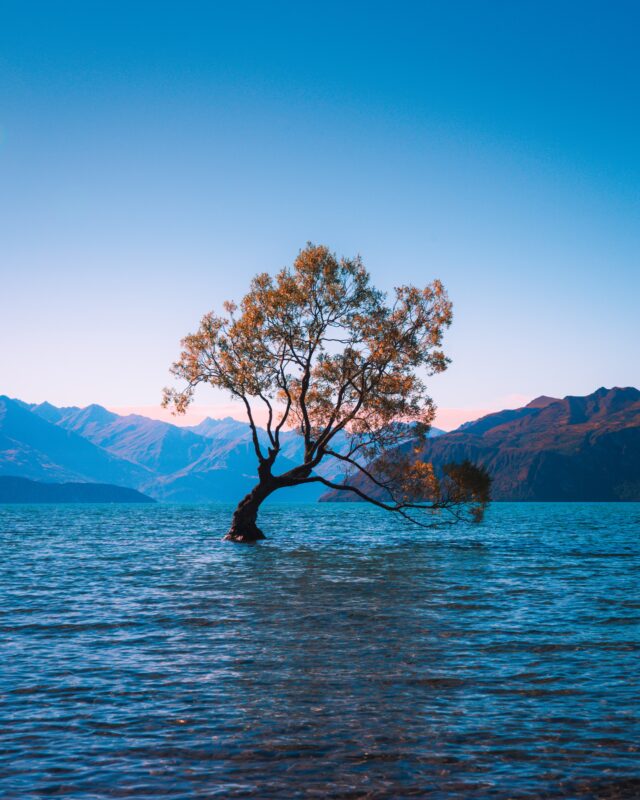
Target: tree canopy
[{"x": 321, "y": 350}]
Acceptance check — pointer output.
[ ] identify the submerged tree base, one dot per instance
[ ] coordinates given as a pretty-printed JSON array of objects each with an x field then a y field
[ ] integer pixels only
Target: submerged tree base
[
  {"x": 244, "y": 528},
  {"x": 244, "y": 537}
]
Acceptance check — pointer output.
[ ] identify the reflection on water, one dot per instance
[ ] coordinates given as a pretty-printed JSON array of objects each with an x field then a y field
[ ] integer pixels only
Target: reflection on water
[{"x": 345, "y": 657}]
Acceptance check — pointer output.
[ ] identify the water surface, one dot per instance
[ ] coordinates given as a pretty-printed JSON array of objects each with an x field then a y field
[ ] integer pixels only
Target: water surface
[{"x": 347, "y": 656}]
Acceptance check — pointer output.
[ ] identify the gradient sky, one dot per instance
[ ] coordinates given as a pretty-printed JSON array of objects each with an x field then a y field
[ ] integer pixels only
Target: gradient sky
[{"x": 154, "y": 156}]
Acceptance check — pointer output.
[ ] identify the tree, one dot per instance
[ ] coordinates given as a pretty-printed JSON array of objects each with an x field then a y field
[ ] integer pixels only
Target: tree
[{"x": 321, "y": 350}]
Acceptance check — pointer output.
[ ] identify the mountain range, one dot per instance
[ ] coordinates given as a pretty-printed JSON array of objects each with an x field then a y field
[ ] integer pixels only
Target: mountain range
[
  {"x": 574, "y": 449},
  {"x": 209, "y": 462}
]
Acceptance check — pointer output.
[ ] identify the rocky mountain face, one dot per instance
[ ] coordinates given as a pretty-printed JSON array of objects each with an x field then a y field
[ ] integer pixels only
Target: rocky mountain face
[
  {"x": 34, "y": 447},
  {"x": 572, "y": 449}
]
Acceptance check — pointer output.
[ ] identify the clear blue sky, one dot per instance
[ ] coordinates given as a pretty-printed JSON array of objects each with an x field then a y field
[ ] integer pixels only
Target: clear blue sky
[{"x": 154, "y": 156}]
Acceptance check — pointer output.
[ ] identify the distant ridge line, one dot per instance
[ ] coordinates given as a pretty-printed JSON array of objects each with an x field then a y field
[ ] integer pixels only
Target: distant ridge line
[{"x": 14, "y": 489}]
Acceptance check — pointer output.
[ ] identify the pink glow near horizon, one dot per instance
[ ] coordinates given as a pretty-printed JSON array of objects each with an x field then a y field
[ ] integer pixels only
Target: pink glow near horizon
[
  {"x": 447, "y": 418},
  {"x": 195, "y": 414}
]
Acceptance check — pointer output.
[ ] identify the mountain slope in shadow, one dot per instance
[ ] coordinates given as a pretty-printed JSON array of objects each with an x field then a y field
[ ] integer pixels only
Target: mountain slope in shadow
[
  {"x": 572, "y": 449},
  {"x": 23, "y": 490}
]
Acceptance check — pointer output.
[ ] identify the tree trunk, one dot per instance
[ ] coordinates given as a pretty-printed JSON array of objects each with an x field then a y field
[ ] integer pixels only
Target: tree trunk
[{"x": 243, "y": 524}]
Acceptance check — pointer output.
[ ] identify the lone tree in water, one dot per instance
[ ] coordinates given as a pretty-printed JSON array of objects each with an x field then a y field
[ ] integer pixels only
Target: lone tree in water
[{"x": 322, "y": 351}]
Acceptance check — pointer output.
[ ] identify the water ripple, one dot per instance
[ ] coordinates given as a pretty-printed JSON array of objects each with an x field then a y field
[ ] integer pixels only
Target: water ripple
[{"x": 347, "y": 657}]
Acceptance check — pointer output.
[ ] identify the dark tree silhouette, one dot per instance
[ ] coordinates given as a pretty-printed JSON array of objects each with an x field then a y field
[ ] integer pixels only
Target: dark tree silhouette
[{"x": 324, "y": 352}]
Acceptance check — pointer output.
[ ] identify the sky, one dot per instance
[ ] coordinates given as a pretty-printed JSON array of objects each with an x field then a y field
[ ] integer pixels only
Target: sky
[{"x": 155, "y": 156}]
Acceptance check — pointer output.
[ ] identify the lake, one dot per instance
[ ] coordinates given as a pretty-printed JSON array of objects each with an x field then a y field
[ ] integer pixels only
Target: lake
[{"x": 348, "y": 656}]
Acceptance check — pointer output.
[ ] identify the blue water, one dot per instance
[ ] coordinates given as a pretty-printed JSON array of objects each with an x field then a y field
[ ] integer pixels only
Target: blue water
[{"x": 348, "y": 656}]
